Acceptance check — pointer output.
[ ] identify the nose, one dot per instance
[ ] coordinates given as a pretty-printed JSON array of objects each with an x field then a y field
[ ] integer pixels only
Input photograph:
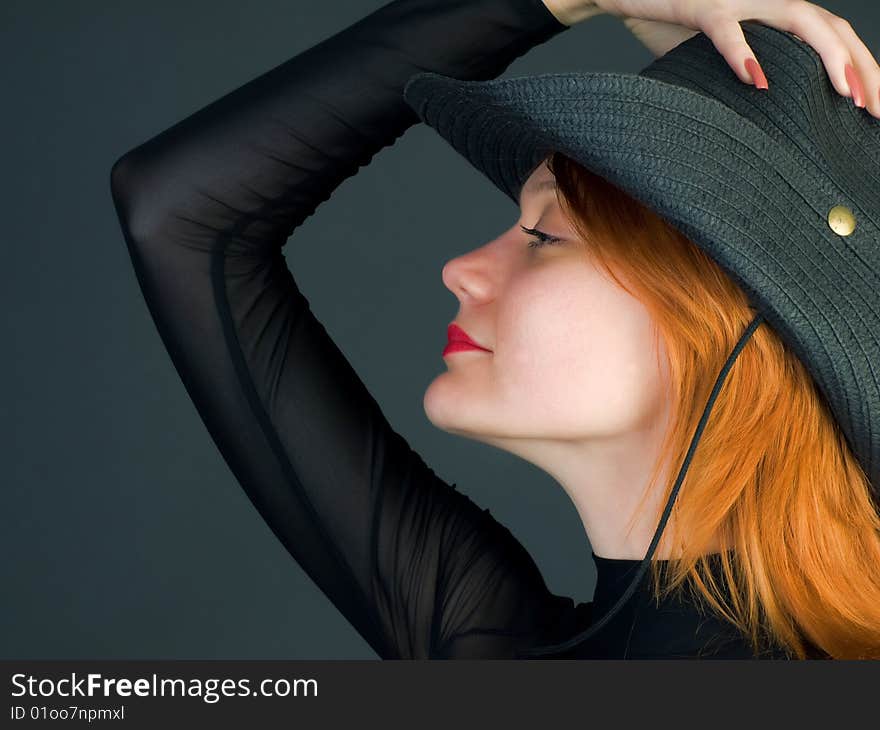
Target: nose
[
  {"x": 464, "y": 277},
  {"x": 473, "y": 274}
]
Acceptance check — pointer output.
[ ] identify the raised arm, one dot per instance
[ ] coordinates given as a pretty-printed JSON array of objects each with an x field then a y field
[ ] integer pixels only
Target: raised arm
[{"x": 206, "y": 207}]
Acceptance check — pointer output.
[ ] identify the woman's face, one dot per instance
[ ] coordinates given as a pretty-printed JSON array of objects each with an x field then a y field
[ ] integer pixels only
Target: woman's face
[{"x": 572, "y": 356}]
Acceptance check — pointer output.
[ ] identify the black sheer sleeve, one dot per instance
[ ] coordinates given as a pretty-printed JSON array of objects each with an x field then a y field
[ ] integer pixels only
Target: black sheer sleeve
[{"x": 206, "y": 207}]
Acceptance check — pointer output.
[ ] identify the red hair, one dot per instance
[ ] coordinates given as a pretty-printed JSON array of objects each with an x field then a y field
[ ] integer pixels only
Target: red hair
[{"x": 772, "y": 476}]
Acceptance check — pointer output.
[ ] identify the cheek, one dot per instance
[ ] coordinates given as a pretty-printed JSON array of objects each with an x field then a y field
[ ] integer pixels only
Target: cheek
[
  {"x": 547, "y": 331},
  {"x": 579, "y": 350},
  {"x": 549, "y": 324}
]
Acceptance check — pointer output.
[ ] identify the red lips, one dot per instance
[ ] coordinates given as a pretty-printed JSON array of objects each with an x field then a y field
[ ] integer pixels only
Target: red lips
[{"x": 460, "y": 340}]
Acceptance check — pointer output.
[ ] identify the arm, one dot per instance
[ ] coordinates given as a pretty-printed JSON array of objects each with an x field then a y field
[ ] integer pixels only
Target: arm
[{"x": 206, "y": 207}]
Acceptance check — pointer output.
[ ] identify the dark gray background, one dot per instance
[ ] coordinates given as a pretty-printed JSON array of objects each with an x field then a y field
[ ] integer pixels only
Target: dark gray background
[{"x": 124, "y": 534}]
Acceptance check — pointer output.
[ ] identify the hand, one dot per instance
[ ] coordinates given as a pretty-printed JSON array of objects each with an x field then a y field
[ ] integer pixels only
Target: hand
[
  {"x": 570, "y": 12},
  {"x": 663, "y": 24},
  {"x": 657, "y": 36}
]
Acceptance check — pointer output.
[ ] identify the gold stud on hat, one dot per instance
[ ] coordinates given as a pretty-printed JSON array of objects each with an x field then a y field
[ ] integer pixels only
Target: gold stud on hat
[{"x": 841, "y": 220}]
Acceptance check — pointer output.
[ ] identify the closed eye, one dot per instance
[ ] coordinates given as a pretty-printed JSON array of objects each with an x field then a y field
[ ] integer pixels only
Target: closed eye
[{"x": 543, "y": 238}]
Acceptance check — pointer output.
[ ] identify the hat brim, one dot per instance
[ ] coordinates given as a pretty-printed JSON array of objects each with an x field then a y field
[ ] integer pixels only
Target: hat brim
[{"x": 754, "y": 205}]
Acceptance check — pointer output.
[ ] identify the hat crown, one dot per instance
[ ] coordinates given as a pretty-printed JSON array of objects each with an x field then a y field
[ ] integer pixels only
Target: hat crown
[{"x": 795, "y": 115}]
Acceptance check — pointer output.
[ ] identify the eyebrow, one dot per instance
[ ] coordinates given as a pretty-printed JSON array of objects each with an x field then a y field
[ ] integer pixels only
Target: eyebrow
[{"x": 543, "y": 185}]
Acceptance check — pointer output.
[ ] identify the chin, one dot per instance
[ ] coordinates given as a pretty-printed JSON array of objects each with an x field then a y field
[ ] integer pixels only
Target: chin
[{"x": 443, "y": 413}]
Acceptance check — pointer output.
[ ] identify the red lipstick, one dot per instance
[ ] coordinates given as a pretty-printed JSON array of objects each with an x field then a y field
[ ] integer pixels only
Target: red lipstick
[{"x": 460, "y": 340}]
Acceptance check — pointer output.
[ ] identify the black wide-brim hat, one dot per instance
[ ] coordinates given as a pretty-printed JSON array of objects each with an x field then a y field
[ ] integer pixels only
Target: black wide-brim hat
[{"x": 781, "y": 187}]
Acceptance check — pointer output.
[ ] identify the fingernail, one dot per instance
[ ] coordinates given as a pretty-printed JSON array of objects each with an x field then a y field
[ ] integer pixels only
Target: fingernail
[
  {"x": 754, "y": 69},
  {"x": 855, "y": 86}
]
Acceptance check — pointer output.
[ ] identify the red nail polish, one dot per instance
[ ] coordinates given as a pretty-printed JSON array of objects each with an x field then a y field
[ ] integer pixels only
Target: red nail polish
[
  {"x": 757, "y": 74},
  {"x": 855, "y": 86}
]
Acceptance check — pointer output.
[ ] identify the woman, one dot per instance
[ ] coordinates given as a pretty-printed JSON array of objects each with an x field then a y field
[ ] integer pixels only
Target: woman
[{"x": 416, "y": 567}]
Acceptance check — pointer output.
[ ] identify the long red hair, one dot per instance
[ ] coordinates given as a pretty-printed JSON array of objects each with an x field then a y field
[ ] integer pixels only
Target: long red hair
[{"x": 772, "y": 473}]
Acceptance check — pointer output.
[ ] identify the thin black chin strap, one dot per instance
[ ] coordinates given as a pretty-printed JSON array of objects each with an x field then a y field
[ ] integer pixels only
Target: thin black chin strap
[{"x": 643, "y": 566}]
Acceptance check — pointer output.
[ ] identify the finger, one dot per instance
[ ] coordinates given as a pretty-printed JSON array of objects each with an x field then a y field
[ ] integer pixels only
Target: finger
[
  {"x": 805, "y": 21},
  {"x": 863, "y": 60},
  {"x": 809, "y": 22},
  {"x": 729, "y": 40}
]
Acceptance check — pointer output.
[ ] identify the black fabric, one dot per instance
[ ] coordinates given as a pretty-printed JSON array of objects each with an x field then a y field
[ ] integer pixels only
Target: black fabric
[{"x": 206, "y": 206}]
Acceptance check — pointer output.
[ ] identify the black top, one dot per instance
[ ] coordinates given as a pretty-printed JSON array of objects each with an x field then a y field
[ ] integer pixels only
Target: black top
[{"x": 206, "y": 206}]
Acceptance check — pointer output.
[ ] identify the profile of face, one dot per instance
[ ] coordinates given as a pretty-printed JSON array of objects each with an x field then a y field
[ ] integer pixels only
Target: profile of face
[{"x": 572, "y": 363}]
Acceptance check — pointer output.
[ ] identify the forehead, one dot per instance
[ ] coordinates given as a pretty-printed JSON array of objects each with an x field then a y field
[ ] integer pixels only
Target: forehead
[{"x": 540, "y": 181}]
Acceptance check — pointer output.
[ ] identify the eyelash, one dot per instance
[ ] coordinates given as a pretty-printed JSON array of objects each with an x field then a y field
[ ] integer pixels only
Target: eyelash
[{"x": 544, "y": 239}]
